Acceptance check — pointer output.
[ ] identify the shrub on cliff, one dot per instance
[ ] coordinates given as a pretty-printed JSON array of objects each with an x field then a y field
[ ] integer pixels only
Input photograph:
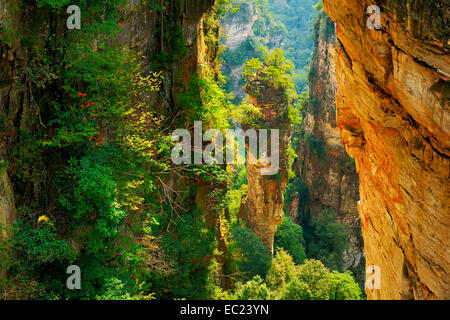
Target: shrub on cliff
[{"x": 276, "y": 71}]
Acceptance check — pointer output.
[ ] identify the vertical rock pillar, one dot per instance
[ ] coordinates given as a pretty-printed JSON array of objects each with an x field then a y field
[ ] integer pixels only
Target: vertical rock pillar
[{"x": 263, "y": 208}]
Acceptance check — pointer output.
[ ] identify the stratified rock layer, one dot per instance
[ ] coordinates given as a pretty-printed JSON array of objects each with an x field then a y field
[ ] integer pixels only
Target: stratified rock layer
[{"x": 393, "y": 116}]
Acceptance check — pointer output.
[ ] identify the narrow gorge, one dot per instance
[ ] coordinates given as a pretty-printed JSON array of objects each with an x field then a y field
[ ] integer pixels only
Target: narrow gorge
[{"x": 323, "y": 165}]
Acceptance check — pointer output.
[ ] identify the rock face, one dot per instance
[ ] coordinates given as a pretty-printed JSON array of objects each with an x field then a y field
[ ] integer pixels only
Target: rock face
[
  {"x": 238, "y": 29},
  {"x": 323, "y": 164},
  {"x": 7, "y": 208},
  {"x": 12, "y": 98},
  {"x": 262, "y": 210},
  {"x": 142, "y": 31},
  {"x": 393, "y": 116},
  {"x": 139, "y": 32}
]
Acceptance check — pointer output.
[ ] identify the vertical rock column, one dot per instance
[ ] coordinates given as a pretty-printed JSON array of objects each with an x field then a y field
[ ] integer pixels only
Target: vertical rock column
[{"x": 263, "y": 208}]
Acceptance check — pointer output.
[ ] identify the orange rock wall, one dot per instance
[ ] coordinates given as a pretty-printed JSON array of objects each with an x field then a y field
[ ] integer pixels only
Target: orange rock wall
[{"x": 393, "y": 116}]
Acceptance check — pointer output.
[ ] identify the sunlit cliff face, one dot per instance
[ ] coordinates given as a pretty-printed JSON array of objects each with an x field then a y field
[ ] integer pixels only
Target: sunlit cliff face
[{"x": 393, "y": 116}]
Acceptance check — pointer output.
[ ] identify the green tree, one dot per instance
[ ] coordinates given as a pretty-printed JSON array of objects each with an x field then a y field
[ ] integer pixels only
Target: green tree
[
  {"x": 315, "y": 275},
  {"x": 254, "y": 289},
  {"x": 289, "y": 236},
  {"x": 255, "y": 257},
  {"x": 295, "y": 290},
  {"x": 342, "y": 286},
  {"x": 190, "y": 246},
  {"x": 326, "y": 239},
  {"x": 281, "y": 271}
]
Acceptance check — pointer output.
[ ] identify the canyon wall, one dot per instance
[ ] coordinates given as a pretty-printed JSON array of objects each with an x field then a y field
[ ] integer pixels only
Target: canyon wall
[
  {"x": 237, "y": 29},
  {"x": 393, "y": 117},
  {"x": 143, "y": 31},
  {"x": 241, "y": 42},
  {"x": 323, "y": 165},
  {"x": 13, "y": 97}
]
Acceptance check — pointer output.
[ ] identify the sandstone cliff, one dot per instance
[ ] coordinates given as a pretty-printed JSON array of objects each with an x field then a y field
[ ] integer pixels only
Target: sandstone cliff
[
  {"x": 323, "y": 164},
  {"x": 393, "y": 116}
]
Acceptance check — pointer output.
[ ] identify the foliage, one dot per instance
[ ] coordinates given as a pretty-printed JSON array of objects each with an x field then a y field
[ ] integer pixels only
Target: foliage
[
  {"x": 251, "y": 67},
  {"x": 255, "y": 257},
  {"x": 296, "y": 188},
  {"x": 297, "y": 17},
  {"x": 254, "y": 289},
  {"x": 315, "y": 274},
  {"x": 96, "y": 183},
  {"x": 309, "y": 281},
  {"x": 286, "y": 25},
  {"x": 276, "y": 71},
  {"x": 282, "y": 270},
  {"x": 94, "y": 191},
  {"x": 35, "y": 248},
  {"x": 291, "y": 155},
  {"x": 295, "y": 290},
  {"x": 289, "y": 236},
  {"x": 246, "y": 115},
  {"x": 343, "y": 287},
  {"x": 316, "y": 145},
  {"x": 91, "y": 101},
  {"x": 325, "y": 239},
  {"x": 191, "y": 248},
  {"x": 53, "y": 4},
  {"x": 38, "y": 245},
  {"x": 206, "y": 101}
]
